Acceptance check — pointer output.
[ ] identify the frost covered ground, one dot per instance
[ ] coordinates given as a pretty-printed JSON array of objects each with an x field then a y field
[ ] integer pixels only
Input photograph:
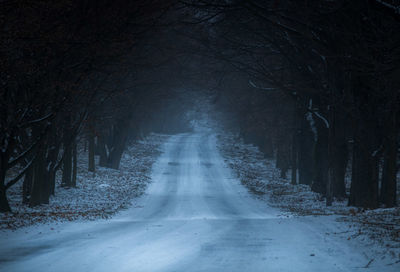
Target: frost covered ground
[
  {"x": 378, "y": 229},
  {"x": 97, "y": 195},
  {"x": 194, "y": 216}
]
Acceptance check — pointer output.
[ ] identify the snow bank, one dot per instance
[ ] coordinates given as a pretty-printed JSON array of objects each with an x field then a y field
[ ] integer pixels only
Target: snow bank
[
  {"x": 378, "y": 228},
  {"x": 98, "y": 195}
]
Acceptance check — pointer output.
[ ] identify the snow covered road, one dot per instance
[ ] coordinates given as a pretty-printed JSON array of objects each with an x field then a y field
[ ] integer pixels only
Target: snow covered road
[{"x": 195, "y": 216}]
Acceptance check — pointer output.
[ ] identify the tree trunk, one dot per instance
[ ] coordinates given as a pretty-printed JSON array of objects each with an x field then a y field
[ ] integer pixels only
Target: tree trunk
[
  {"x": 282, "y": 160},
  {"x": 4, "y": 205},
  {"x": 52, "y": 181},
  {"x": 27, "y": 186},
  {"x": 67, "y": 166},
  {"x": 116, "y": 155},
  {"x": 67, "y": 156},
  {"x": 268, "y": 149},
  {"x": 339, "y": 166},
  {"x": 38, "y": 180},
  {"x": 321, "y": 166},
  {"x": 306, "y": 143},
  {"x": 51, "y": 171},
  {"x": 75, "y": 163},
  {"x": 294, "y": 159},
  {"x": 367, "y": 145},
  {"x": 103, "y": 162},
  {"x": 364, "y": 185},
  {"x": 52, "y": 158},
  {"x": 338, "y": 153},
  {"x": 389, "y": 180},
  {"x": 46, "y": 187},
  {"x": 119, "y": 141},
  {"x": 92, "y": 165}
]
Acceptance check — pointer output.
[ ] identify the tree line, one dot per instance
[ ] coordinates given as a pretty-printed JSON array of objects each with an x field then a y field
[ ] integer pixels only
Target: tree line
[
  {"x": 315, "y": 84},
  {"x": 74, "y": 72}
]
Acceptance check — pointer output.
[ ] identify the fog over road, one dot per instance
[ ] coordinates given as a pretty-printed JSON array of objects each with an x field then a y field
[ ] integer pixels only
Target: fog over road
[{"x": 195, "y": 216}]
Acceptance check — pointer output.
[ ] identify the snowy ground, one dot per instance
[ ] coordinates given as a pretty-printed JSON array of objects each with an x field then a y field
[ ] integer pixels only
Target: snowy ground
[
  {"x": 96, "y": 196},
  {"x": 194, "y": 216},
  {"x": 379, "y": 229}
]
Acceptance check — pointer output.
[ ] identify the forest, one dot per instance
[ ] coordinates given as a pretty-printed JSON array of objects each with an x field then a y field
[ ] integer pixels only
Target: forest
[{"x": 314, "y": 85}]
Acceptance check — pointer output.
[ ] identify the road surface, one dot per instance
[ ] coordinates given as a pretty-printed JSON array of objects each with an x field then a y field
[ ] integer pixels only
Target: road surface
[{"x": 195, "y": 216}]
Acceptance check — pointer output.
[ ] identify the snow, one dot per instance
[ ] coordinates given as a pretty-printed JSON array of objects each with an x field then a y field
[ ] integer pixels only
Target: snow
[
  {"x": 322, "y": 118},
  {"x": 97, "y": 195},
  {"x": 258, "y": 87},
  {"x": 379, "y": 229},
  {"x": 389, "y": 5},
  {"x": 194, "y": 216}
]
